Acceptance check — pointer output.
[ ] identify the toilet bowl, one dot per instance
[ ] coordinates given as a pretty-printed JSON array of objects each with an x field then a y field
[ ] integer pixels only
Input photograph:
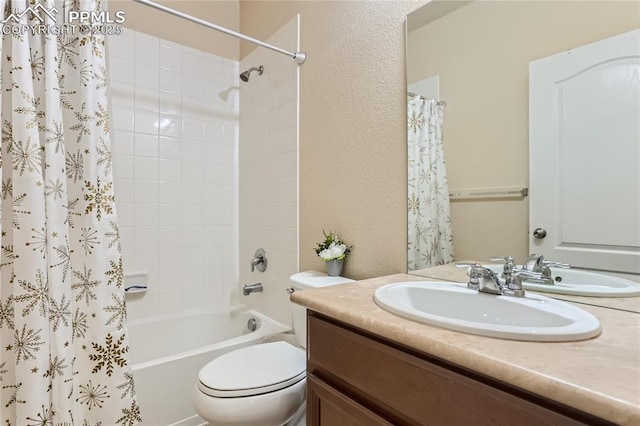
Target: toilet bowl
[{"x": 264, "y": 384}]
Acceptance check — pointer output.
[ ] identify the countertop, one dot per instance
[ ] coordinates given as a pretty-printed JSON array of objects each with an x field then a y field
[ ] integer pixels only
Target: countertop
[{"x": 600, "y": 376}]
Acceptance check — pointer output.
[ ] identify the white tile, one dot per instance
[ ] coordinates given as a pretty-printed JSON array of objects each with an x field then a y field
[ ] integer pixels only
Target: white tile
[
  {"x": 146, "y": 145},
  {"x": 146, "y": 168},
  {"x": 213, "y": 70},
  {"x": 169, "y": 170},
  {"x": 192, "y": 51},
  {"x": 170, "y": 215},
  {"x": 125, "y": 215},
  {"x": 192, "y": 214},
  {"x": 192, "y": 129},
  {"x": 122, "y": 94},
  {"x": 192, "y": 151},
  {"x": 170, "y": 237},
  {"x": 146, "y": 214},
  {"x": 146, "y": 122},
  {"x": 212, "y": 173},
  {"x": 192, "y": 86},
  {"x": 122, "y": 142},
  {"x": 193, "y": 299},
  {"x": 147, "y": 52},
  {"x": 146, "y": 37},
  {"x": 192, "y": 192},
  {"x": 213, "y": 131},
  {"x": 169, "y": 148},
  {"x": 146, "y": 237},
  {"x": 126, "y": 237},
  {"x": 191, "y": 236},
  {"x": 146, "y": 99},
  {"x": 192, "y": 256},
  {"x": 123, "y": 118},
  {"x": 121, "y": 70},
  {"x": 146, "y": 191},
  {"x": 147, "y": 76},
  {"x": 171, "y": 103},
  {"x": 123, "y": 166},
  {"x": 192, "y": 65},
  {"x": 170, "y": 58},
  {"x": 120, "y": 46},
  {"x": 171, "y": 44},
  {"x": 128, "y": 33},
  {"x": 170, "y": 192},
  {"x": 170, "y": 125},
  {"x": 124, "y": 190},
  {"x": 170, "y": 81},
  {"x": 194, "y": 107},
  {"x": 191, "y": 171},
  {"x": 170, "y": 303}
]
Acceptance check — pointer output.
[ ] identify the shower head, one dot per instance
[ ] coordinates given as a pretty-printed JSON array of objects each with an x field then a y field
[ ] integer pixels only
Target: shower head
[{"x": 245, "y": 75}]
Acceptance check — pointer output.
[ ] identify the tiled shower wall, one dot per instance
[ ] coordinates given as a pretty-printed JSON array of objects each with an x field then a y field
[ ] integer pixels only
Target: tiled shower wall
[
  {"x": 175, "y": 155},
  {"x": 269, "y": 173}
]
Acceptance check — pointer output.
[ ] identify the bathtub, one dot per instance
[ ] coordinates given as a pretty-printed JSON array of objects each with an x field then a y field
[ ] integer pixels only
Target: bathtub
[{"x": 167, "y": 353}]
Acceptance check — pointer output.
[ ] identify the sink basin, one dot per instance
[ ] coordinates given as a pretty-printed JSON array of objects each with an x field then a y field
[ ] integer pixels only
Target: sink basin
[
  {"x": 456, "y": 307},
  {"x": 581, "y": 283}
]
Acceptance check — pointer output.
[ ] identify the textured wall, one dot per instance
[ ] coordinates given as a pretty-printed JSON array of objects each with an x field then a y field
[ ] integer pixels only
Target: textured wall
[{"x": 352, "y": 126}]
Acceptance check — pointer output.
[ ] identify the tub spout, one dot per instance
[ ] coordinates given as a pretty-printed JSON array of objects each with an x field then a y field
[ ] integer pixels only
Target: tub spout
[{"x": 247, "y": 289}]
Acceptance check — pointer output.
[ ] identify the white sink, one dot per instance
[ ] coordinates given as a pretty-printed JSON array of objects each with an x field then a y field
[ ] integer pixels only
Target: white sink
[
  {"x": 581, "y": 283},
  {"x": 453, "y": 306}
]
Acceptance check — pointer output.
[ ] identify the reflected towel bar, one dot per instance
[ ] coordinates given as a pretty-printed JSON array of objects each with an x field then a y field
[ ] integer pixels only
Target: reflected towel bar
[{"x": 487, "y": 193}]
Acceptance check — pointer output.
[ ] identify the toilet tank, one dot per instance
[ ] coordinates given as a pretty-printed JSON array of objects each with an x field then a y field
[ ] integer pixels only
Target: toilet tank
[{"x": 303, "y": 281}]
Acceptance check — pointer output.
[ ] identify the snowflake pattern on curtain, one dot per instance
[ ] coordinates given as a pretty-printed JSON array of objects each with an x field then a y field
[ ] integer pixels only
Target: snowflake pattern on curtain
[
  {"x": 430, "y": 238},
  {"x": 64, "y": 351}
]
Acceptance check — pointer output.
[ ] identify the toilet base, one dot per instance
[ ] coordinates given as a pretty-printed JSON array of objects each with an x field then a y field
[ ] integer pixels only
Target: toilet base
[{"x": 271, "y": 409}]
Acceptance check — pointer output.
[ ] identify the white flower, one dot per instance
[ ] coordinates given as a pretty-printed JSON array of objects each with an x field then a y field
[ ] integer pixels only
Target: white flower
[{"x": 334, "y": 251}]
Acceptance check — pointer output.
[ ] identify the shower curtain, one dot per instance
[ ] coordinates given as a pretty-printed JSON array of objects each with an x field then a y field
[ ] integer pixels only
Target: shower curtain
[
  {"x": 63, "y": 356},
  {"x": 430, "y": 240}
]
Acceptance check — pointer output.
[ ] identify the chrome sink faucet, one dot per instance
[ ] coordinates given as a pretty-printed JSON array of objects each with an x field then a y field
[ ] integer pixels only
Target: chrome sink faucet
[
  {"x": 537, "y": 263},
  {"x": 486, "y": 281}
]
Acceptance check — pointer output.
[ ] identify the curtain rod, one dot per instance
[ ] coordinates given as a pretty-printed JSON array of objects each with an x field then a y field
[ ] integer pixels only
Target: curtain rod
[
  {"x": 424, "y": 98},
  {"x": 299, "y": 57}
]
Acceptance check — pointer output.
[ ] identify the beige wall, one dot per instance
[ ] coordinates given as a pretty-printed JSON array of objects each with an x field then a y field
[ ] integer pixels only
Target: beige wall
[
  {"x": 161, "y": 24},
  {"x": 352, "y": 126},
  {"x": 481, "y": 53}
]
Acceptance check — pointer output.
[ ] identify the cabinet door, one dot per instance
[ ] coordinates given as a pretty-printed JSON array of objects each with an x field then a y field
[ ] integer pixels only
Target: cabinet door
[{"x": 327, "y": 406}]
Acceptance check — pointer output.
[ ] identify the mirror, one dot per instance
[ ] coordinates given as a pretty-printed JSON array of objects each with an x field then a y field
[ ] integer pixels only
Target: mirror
[{"x": 474, "y": 56}]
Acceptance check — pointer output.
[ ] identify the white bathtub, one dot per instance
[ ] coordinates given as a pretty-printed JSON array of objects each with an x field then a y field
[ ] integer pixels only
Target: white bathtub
[{"x": 166, "y": 355}]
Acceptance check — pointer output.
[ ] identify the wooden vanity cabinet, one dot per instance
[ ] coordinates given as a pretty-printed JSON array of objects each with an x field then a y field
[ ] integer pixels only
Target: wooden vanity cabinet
[{"x": 358, "y": 378}]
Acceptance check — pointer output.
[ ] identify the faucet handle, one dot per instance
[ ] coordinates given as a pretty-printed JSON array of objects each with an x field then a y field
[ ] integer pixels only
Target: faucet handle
[
  {"x": 259, "y": 261},
  {"x": 525, "y": 273},
  {"x": 509, "y": 263},
  {"x": 555, "y": 264}
]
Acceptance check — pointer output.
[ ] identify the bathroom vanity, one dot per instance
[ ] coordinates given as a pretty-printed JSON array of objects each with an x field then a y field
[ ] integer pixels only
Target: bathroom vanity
[{"x": 367, "y": 366}]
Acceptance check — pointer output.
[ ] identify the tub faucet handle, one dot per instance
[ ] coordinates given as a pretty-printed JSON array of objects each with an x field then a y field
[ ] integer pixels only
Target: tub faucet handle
[{"x": 259, "y": 261}]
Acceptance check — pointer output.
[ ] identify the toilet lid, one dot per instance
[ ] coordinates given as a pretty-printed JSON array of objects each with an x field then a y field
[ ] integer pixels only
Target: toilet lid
[{"x": 253, "y": 370}]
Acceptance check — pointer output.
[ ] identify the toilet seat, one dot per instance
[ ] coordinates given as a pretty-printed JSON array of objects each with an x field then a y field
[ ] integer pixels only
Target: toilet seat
[{"x": 253, "y": 370}]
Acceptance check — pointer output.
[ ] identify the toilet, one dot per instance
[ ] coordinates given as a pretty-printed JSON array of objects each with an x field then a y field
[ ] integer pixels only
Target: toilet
[{"x": 263, "y": 384}]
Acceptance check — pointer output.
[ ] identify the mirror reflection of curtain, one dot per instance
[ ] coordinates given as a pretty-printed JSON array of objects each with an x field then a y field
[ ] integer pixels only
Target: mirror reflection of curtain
[{"x": 430, "y": 239}]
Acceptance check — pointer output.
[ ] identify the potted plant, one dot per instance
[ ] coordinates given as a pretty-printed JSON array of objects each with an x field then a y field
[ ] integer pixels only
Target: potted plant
[{"x": 333, "y": 251}]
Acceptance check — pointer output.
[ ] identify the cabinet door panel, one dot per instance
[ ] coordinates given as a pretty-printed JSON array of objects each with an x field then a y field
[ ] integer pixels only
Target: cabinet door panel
[{"x": 330, "y": 407}]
